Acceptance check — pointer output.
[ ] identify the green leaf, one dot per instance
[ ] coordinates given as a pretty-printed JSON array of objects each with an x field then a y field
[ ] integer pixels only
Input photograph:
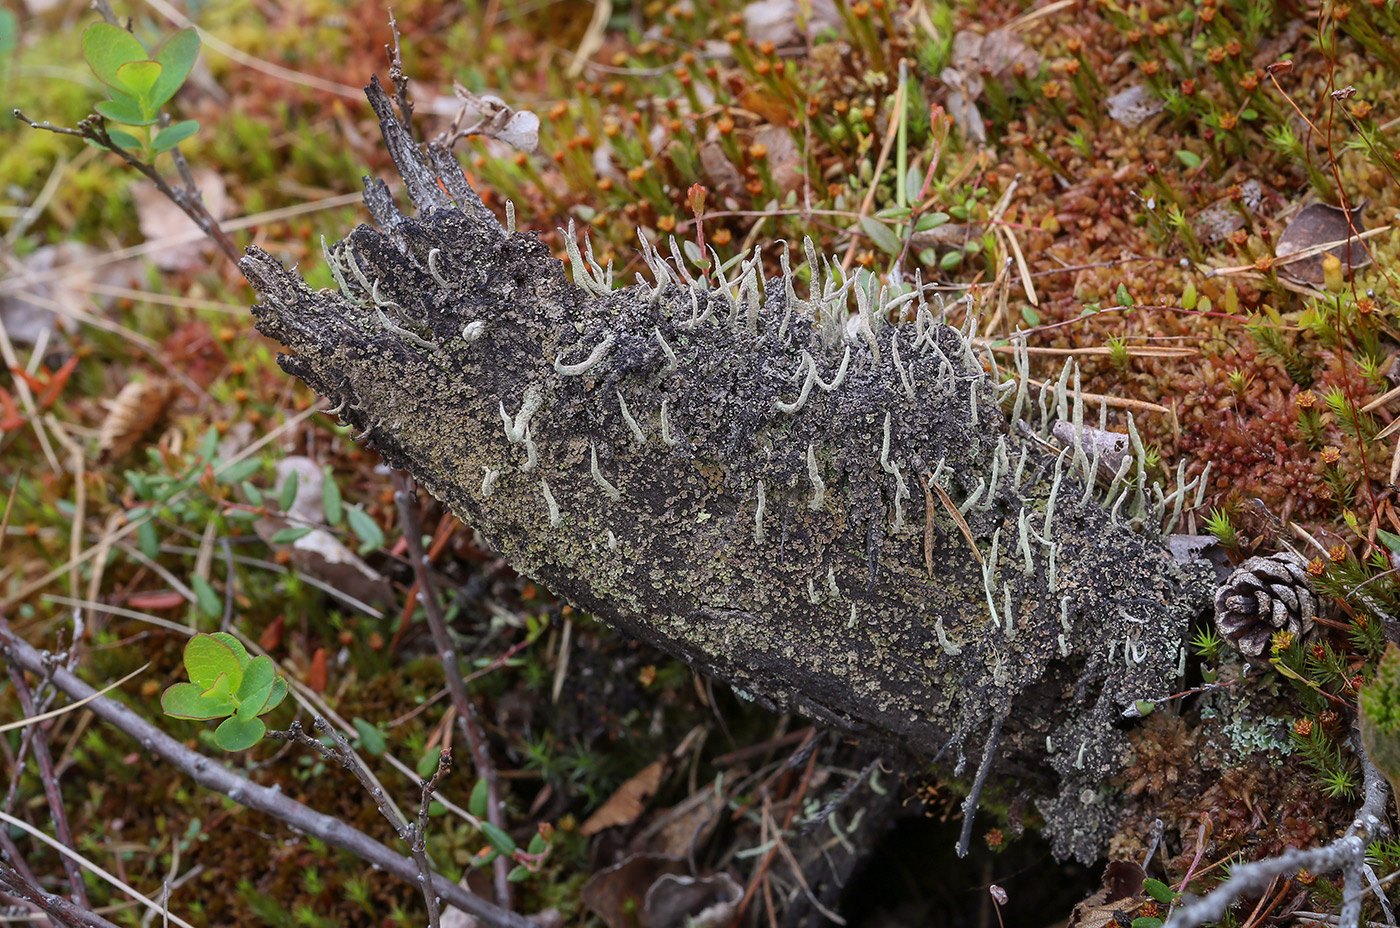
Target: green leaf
[
  {"x": 519, "y": 874},
  {"x": 1029, "y": 314},
  {"x": 254, "y": 495},
  {"x": 123, "y": 110},
  {"x": 1249, "y": 115},
  {"x": 365, "y": 528},
  {"x": 1123, "y": 296},
  {"x": 106, "y": 48},
  {"x": 176, "y": 57},
  {"x": 229, "y": 474},
  {"x": 497, "y": 838},
  {"x": 124, "y": 139},
  {"x": 371, "y": 738},
  {"x": 1144, "y": 922},
  {"x": 930, "y": 221},
  {"x": 207, "y": 658},
  {"x": 427, "y": 764},
  {"x": 209, "y": 601},
  {"x": 538, "y": 845},
  {"x": 893, "y": 212},
  {"x": 288, "y": 495},
  {"x": 1144, "y": 707},
  {"x": 950, "y": 260},
  {"x": 1158, "y": 890},
  {"x": 167, "y": 139},
  {"x": 291, "y": 534},
  {"x": 185, "y": 701},
  {"x": 882, "y": 235},
  {"x": 331, "y": 500},
  {"x": 146, "y": 539},
  {"x": 477, "y": 804},
  {"x": 279, "y": 693},
  {"x": 1188, "y": 158},
  {"x": 258, "y": 680},
  {"x": 221, "y": 690},
  {"x": 235, "y": 646},
  {"x": 137, "y": 78},
  {"x": 235, "y": 734}
]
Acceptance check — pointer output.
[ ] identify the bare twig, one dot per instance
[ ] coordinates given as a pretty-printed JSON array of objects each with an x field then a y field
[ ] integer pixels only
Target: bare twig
[
  {"x": 187, "y": 197},
  {"x": 1347, "y": 853},
  {"x": 60, "y": 910},
  {"x": 414, "y": 833},
  {"x": 216, "y": 776},
  {"x": 467, "y": 719},
  {"x": 40, "y": 744}
]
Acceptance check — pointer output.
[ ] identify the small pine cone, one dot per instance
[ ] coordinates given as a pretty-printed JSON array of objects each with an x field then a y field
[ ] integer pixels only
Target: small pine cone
[{"x": 1263, "y": 596}]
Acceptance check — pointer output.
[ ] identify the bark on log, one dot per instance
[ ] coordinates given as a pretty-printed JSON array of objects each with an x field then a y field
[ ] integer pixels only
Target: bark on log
[{"x": 735, "y": 475}]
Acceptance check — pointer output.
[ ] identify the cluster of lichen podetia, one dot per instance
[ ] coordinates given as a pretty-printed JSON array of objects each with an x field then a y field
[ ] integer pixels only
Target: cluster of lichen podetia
[{"x": 727, "y": 471}]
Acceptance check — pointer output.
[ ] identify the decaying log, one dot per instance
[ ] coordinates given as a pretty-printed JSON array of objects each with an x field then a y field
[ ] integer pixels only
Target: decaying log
[{"x": 756, "y": 484}]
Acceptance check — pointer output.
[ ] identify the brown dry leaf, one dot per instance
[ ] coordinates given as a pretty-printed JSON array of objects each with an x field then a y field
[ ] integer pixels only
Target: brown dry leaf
[
  {"x": 618, "y": 893},
  {"x": 784, "y": 159},
  {"x": 680, "y": 901},
  {"x": 623, "y": 807},
  {"x": 1317, "y": 224},
  {"x": 1134, "y": 106},
  {"x": 316, "y": 676},
  {"x": 683, "y": 826},
  {"x": 1122, "y": 881},
  {"x": 720, "y": 171},
  {"x": 138, "y": 406}
]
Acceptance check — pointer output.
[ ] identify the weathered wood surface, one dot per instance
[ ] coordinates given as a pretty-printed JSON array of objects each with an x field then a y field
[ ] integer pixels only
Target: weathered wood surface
[{"x": 735, "y": 475}]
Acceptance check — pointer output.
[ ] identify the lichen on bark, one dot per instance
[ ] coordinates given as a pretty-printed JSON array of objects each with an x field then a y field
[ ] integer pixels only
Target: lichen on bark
[{"x": 736, "y": 475}]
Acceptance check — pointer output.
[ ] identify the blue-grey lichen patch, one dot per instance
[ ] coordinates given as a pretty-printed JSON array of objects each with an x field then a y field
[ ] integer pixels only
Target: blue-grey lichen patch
[{"x": 731, "y": 474}]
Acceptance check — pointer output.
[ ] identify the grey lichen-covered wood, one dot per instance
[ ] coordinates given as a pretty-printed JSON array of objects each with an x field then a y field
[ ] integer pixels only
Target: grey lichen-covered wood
[{"x": 735, "y": 475}]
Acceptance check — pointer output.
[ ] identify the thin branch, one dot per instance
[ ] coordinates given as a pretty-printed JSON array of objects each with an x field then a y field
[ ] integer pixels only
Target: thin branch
[
  {"x": 1347, "y": 853},
  {"x": 412, "y": 833},
  {"x": 60, "y": 910},
  {"x": 187, "y": 198},
  {"x": 467, "y": 719},
  {"x": 214, "y": 775},
  {"x": 52, "y": 793}
]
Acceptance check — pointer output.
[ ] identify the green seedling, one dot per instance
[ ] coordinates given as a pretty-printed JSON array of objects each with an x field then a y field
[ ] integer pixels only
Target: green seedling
[
  {"x": 226, "y": 683},
  {"x": 139, "y": 84}
]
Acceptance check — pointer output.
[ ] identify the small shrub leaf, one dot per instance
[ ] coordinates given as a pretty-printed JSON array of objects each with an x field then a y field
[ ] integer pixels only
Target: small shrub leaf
[
  {"x": 882, "y": 235},
  {"x": 207, "y": 659},
  {"x": 288, "y": 495},
  {"x": 123, "y": 110},
  {"x": 176, "y": 57},
  {"x": 477, "y": 805},
  {"x": 167, "y": 139},
  {"x": 185, "y": 701},
  {"x": 279, "y": 693},
  {"x": 497, "y": 838},
  {"x": 235, "y": 646},
  {"x": 518, "y": 874},
  {"x": 365, "y": 528},
  {"x": 106, "y": 48},
  {"x": 207, "y": 597},
  {"x": 138, "y": 77},
  {"x": 1158, "y": 890},
  {"x": 370, "y": 737},
  {"x": 331, "y": 501},
  {"x": 236, "y": 734},
  {"x": 289, "y": 535},
  {"x": 258, "y": 679}
]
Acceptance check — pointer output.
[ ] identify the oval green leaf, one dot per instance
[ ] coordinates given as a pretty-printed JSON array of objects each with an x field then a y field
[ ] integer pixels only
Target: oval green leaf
[
  {"x": 205, "y": 595},
  {"x": 882, "y": 235},
  {"x": 207, "y": 658},
  {"x": 498, "y": 839},
  {"x": 477, "y": 804},
  {"x": 235, "y": 646},
  {"x": 138, "y": 77},
  {"x": 106, "y": 48},
  {"x": 236, "y": 734},
  {"x": 123, "y": 110},
  {"x": 258, "y": 680},
  {"x": 176, "y": 57},
  {"x": 371, "y": 738},
  {"x": 279, "y": 693},
  {"x": 369, "y": 532},
  {"x": 288, "y": 535},
  {"x": 331, "y": 500},
  {"x": 930, "y": 221},
  {"x": 186, "y": 701},
  {"x": 167, "y": 139}
]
